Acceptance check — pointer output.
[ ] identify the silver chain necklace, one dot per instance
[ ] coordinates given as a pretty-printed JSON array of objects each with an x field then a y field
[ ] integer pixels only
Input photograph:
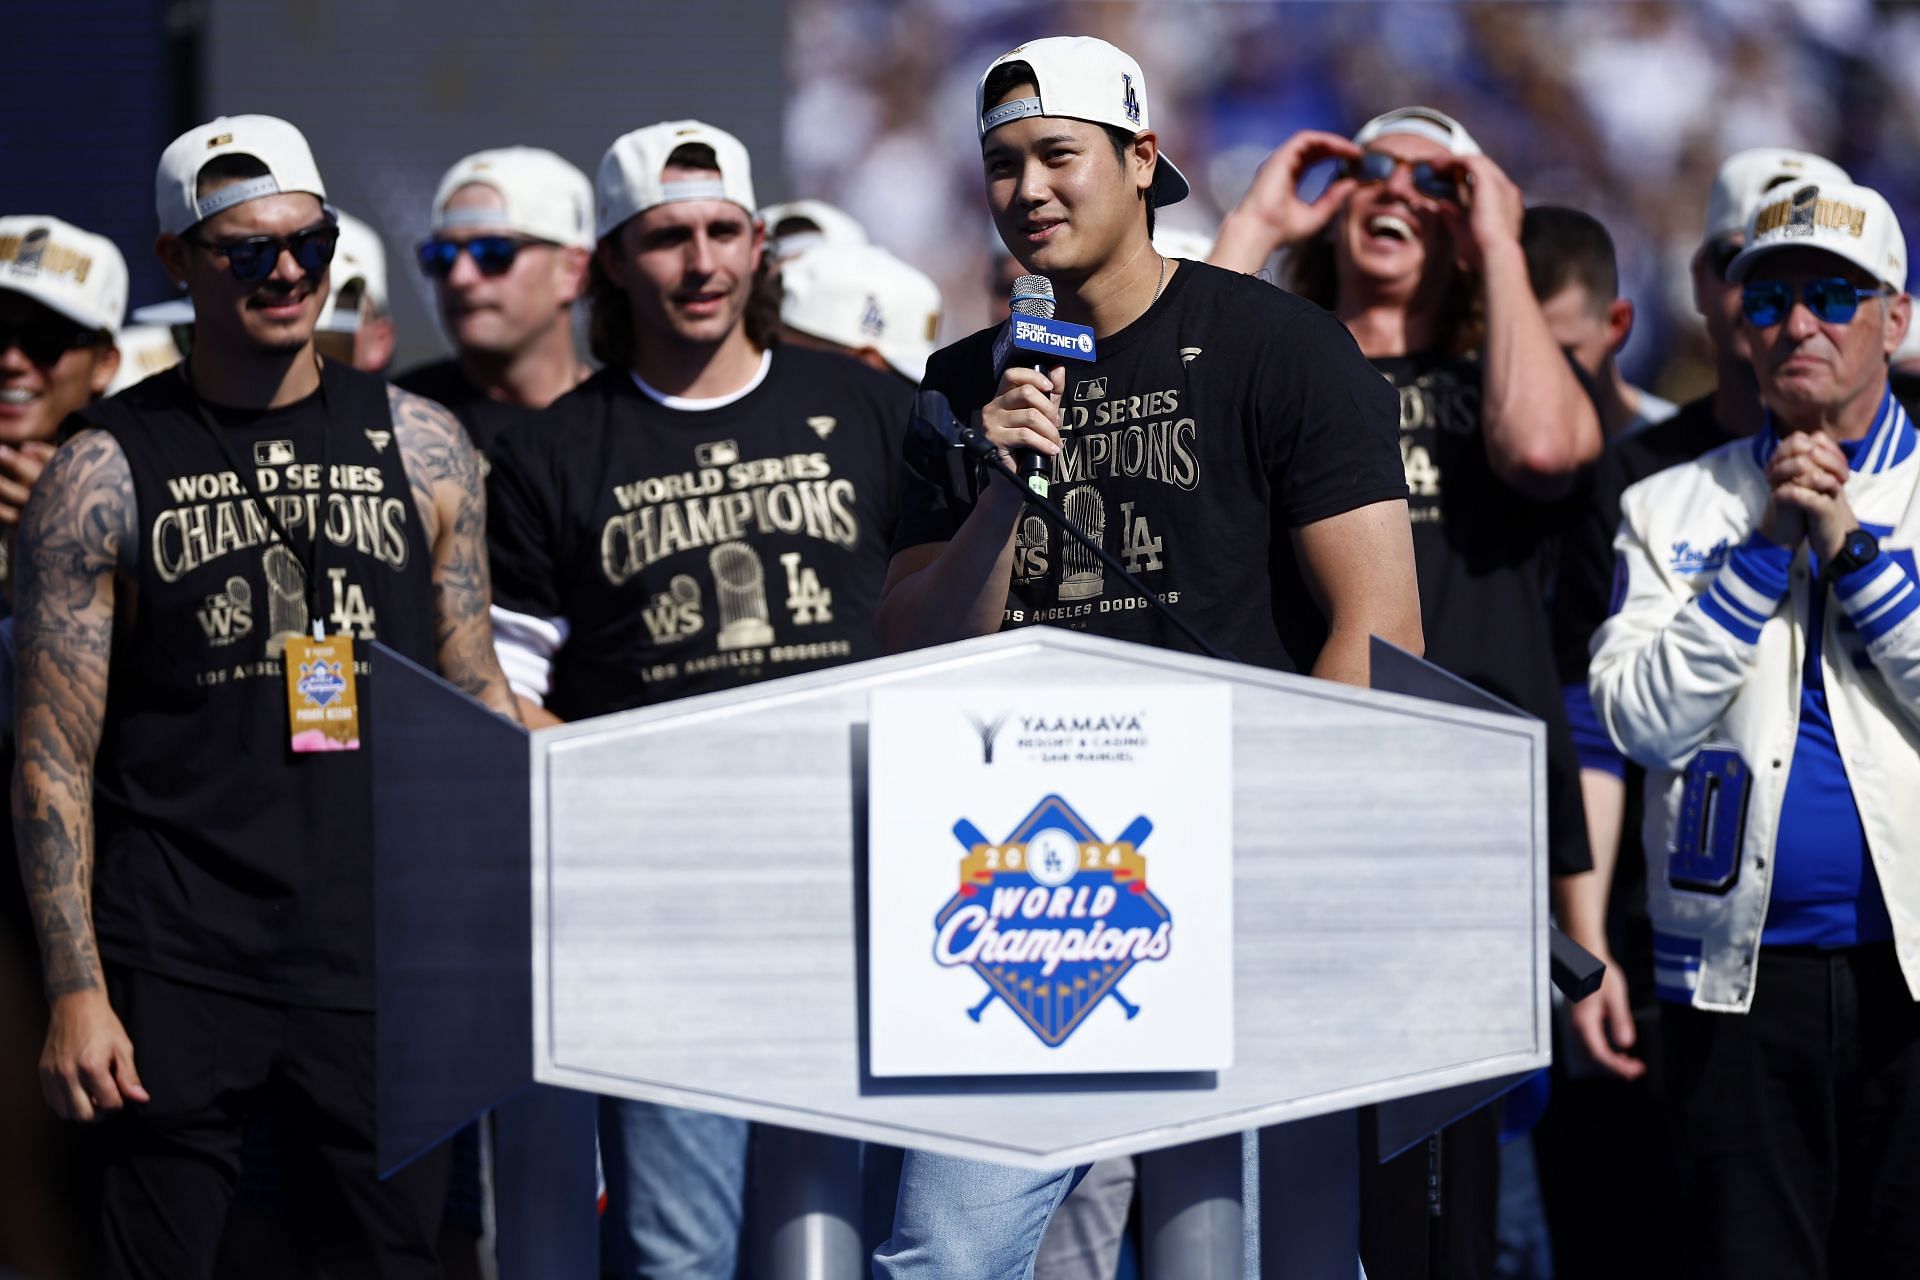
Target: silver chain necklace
[{"x": 1161, "y": 282}]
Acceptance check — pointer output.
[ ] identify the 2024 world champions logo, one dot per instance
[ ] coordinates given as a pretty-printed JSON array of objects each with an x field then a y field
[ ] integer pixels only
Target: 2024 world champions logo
[{"x": 1052, "y": 918}]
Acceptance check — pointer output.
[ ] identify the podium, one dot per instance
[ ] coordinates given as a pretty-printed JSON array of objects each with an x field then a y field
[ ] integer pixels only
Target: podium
[{"x": 669, "y": 904}]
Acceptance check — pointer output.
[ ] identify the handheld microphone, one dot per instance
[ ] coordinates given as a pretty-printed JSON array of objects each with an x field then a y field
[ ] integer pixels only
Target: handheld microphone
[{"x": 1032, "y": 329}]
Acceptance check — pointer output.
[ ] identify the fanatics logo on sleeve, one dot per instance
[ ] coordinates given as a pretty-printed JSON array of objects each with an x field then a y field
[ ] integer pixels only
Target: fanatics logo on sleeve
[{"x": 1053, "y": 919}]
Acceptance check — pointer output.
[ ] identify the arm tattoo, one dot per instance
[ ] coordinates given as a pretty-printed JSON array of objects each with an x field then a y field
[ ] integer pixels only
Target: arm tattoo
[
  {"x": 78, "y": 529},
  {"x": 444, "y": 473}
]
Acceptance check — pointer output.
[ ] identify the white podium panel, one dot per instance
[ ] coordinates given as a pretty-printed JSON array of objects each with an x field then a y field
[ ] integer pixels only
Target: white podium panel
[
  {"x": 1052, "y": 866},
  {"x": 699, "y": 916}
]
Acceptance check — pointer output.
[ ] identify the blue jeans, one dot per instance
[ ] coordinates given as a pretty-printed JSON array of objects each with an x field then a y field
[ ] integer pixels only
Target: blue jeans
[
  {"x": 676, "y": 1182},
  {"x": 968, "y": 1220}
]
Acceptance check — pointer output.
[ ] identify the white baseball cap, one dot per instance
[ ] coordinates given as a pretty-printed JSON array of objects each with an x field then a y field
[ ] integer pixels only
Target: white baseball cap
[
  {"x": 360, "y": 259},
  {"x": 544, "y": 197},
  {"x": 1745, "y": 179},
  {"x": 1421, "y": 122},
  {"x": 630, "y": 182},
  {"x": 273, "y": 142},
  {"x": 145, "y": 349},
  {"x": 1082, "y": 78},
  {"x": 828, "y": 226},
  {"x": 76, "y": 273},
  {"x": 859, "y": 295},
  {"x": 1855, "y": 223}
]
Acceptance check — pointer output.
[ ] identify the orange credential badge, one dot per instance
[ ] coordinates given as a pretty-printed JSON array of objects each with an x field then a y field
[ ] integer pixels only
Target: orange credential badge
[{"x": 323, "y": 706}]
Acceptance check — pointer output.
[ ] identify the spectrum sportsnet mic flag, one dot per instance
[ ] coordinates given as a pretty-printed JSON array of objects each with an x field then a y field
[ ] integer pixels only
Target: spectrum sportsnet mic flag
[
  {"x": 1044, "y": 339},
  {"x": 1050, "y": 883}
]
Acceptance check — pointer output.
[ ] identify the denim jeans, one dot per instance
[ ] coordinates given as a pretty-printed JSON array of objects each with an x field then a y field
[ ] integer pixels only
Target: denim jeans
[
  {"x": 968, "y": 1220},
  {"x": 676, "y": 1184}
]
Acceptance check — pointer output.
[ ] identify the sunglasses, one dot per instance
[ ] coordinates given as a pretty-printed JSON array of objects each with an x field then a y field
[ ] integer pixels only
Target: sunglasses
[
  {"x": 45, "y": 341},
  {"x": 492, "y": 255},
  {"x": 255, "y": 257},
  {"x": 1766, "y": 303},
  {"x": 1378, "y": 166}
]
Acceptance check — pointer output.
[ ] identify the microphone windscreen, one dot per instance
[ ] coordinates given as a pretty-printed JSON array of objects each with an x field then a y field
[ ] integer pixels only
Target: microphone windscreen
[{"x": 1033, "y": 296}]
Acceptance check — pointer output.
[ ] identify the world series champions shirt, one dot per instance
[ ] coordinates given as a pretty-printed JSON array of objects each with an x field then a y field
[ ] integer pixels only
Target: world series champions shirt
[
  {"x": 1227, "y": 415},
  {"x": 687, "y": 547},
  {"x": 225, "y": 858}
]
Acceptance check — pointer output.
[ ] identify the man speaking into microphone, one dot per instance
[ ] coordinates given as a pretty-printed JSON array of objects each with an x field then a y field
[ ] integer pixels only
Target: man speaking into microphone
[{"x": 1226, "y": 441}]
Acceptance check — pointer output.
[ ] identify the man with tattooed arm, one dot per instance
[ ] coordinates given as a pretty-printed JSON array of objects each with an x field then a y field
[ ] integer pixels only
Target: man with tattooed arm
[{"x": 199, "y": 574}]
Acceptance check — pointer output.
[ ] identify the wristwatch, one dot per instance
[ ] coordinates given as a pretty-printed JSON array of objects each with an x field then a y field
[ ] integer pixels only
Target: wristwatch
[{"x": 1857, "y": 551}]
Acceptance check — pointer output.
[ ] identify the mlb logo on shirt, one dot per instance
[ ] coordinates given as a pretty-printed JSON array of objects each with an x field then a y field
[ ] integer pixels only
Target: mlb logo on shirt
[
  {"x": 273, "y": 453},
  {"x": 719, "y": 453},
  {"x": 1091, "y": 389}
]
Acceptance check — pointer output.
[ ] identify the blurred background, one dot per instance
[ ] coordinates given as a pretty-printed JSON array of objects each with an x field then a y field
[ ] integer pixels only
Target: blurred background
[{"x": 1623, "y": 109}]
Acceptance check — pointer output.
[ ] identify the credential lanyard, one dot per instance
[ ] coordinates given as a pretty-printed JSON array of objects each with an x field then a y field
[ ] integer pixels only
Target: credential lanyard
[{"x": 310, "y": 563}]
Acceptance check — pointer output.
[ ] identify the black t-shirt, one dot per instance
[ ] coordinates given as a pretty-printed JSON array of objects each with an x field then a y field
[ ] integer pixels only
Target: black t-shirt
[
  {"x": 690, "y": 550},
  {"x": 223, "y": 857},
  {"x": 485, "y": 418},
  {"x": 1227, "y": 415},
  {"x": 1583, "y": 589},
  {"x": 1484, "y": 554}
]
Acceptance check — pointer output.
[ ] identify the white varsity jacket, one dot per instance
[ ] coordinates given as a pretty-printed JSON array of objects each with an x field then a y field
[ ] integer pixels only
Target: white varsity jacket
[{"x": 1697, "y": 677}]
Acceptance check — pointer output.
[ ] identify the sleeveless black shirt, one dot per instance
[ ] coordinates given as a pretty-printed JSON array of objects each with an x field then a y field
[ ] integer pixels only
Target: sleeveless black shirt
[{"x": 221, "y": 856}]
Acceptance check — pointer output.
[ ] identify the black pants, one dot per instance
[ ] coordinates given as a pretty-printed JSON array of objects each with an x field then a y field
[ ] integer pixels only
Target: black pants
[
  {"x": 1797, "y": 1126},
  {"x": 213, "y": 1062},
  {"x": 1423, "y": 1218}
]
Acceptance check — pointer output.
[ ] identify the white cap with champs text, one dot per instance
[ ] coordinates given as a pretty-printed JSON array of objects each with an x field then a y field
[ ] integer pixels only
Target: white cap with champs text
[
  {"x": 1081, "y": 78},
  {"x": 542, "y": 196},
  {"x": 76, "y": 273},
  {"x": 1854, "y": 223},
  {"x": 277, "y": 145},
  {"x": 630, "y": 179},
  {"x": 1746, "y": 178}
]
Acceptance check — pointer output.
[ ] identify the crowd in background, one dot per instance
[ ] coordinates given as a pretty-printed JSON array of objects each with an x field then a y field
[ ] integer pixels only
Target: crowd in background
[{"x": 1623, "y": 110}]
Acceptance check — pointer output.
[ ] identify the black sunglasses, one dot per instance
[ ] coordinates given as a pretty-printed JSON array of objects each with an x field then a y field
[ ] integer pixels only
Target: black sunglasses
[
  {"x": 493, "y": 255},
  {"x": 255, "y": 257},
  {"x": 1766, "y": 303},
  {"x": 45, "y": 341},
  {"x": 1378, "y": 166}
]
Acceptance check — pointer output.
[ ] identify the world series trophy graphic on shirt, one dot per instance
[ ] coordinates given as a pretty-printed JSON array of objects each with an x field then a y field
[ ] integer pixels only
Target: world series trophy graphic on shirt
[
  {"x": 1084, "y": 577},
  {"x": 286, "y": 597},
  {"x": 740, "y": 586}
]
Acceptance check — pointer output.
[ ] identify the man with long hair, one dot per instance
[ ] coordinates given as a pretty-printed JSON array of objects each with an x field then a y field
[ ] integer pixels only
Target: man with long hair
[
  {"x": 1415, "y": 246},
  {"x": 707, "y": 511}
]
